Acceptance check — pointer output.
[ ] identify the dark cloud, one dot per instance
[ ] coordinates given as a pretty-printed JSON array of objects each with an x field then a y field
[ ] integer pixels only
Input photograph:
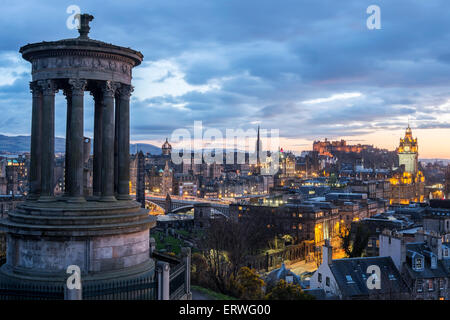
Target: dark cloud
[{"x": 261, "y": 61}]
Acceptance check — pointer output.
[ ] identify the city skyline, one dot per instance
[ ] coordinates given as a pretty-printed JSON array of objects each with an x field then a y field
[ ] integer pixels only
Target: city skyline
[{"x": 427, "y": 150}]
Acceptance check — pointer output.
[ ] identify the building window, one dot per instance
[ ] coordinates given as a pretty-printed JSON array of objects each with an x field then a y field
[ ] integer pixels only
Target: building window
[
  {"x": 441, "y": 284},
  {"x": 319, "y": 277},
  {"x": 327, "y": 281},
  {"x": 430, "y": 285},
  {"x": 349, "y": 279},
  {"x": 419, "y": 286},
  {"x": 433, "y": 262},
  {"x": 419, "y": 263}
]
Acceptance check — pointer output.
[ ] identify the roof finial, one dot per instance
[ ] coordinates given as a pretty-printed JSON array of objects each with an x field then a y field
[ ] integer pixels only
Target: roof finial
[{"x": 84, "y": 25}]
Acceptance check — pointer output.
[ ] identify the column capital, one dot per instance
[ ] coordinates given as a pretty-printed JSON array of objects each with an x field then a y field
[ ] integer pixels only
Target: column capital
[
  {"x": 77, "y": 86},
  {"x": 67, "y": 93},
  {"x": 96, "y": 93},
  {"x": 49, "y": 87},
  {"x": 109, "y": 88},
  {"x": 125, "y": 91},
  {"x": 35, "y": 89}
]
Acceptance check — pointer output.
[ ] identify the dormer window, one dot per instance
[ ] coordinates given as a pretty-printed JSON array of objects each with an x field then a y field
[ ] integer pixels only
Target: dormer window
[{"x": 419, "y": 263}]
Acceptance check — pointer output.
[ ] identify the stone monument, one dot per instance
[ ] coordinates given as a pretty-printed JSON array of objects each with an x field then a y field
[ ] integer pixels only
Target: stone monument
[{"x": 105, "y": 234}]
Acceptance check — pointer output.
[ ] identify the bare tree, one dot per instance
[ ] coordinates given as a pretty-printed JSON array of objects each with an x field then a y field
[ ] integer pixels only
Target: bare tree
[{"x": 227, "y": 244}]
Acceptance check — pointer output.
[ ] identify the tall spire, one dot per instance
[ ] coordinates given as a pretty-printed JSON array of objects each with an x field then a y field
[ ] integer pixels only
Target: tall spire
[{"x": 258, "y": 145}]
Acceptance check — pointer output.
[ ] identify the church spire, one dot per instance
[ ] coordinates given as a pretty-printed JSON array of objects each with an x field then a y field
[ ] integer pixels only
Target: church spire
[{"x": 258, "y": 150}]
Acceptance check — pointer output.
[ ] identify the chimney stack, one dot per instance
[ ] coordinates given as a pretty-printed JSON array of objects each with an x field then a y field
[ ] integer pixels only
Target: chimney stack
[{"x": 327, "y": 252}]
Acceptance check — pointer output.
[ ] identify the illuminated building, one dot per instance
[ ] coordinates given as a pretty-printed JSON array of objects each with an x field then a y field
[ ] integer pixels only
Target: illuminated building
[
  {"x": 326, "y": 148},
  {"x": 185, "y": 185},
  {"x": 408, "y": 153},
  {"x": 286, "y": 169},
  {"x": 287, "y": 164},
  {"x": 14, "y": 175},
  {"x": 302, "y": 221},
  {"x": 408, "y": 183}
]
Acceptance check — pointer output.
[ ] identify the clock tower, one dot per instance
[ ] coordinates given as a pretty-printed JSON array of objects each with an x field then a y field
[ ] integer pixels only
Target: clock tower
[{"x": 408, "y": 152}]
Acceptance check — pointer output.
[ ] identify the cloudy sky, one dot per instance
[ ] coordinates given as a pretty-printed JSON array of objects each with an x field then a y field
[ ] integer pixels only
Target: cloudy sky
[{"x": 311, "y": 69}]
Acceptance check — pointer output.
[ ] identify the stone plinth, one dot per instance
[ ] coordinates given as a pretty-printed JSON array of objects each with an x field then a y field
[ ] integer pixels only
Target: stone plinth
[{"x": 103, "y": 239}]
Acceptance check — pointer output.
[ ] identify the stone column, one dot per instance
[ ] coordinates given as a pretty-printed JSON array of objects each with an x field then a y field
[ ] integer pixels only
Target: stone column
[
  {"x": 97, "y": 165},
  {"x": 123, "y": 190},
  {"x": 116, "y": 143},
  {"x": 36, "y": 138},
  {"x": 49, "y": 89},
  {"x": 76, "y": 145},
  {"x": 163, "y": 270},
  {"x": 109, "y": 90},
  {"x": 186, "y": 256},
  {"x": 68, "y": 94}
]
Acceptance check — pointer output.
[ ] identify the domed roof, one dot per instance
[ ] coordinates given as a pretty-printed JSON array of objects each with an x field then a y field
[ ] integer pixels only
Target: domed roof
[
  {"x": 81, "y": 57},
  {"x": 83, "y": 42}
]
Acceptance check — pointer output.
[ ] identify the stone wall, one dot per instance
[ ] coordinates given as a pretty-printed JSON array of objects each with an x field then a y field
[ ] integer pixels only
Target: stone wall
[{"x": 116, "y": 252}]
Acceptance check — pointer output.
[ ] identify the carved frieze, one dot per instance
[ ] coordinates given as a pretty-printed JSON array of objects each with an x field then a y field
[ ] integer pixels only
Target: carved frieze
[{"x": 86, "y": 62}]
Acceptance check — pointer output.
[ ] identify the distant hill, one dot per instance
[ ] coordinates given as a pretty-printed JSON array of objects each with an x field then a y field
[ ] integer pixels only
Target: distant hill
[
  {"x": 444, "y": 161},
  {"x": 21, "y": 144},
  {"x": 146, "y": 148}
]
